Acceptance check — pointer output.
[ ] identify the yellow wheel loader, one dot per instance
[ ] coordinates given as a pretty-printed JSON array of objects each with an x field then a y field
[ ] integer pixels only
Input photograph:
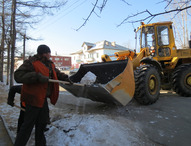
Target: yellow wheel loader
[{"x": 155, "y": 63}]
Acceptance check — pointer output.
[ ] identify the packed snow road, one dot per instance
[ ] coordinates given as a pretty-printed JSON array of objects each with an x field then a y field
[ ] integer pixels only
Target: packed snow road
[{"x": 79, "y": 121}]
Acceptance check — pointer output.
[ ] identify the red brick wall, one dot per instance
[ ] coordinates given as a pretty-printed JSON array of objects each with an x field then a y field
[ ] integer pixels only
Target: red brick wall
[{"x": 61, "y": 61}]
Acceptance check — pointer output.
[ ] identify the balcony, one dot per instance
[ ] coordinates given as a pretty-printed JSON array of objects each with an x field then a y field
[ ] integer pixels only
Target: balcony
[{"x": 90, "y": 59}]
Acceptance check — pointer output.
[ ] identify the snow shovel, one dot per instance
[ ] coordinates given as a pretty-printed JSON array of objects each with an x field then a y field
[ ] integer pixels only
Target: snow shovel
[
  {"x": 19, "y": 107},
  {"x": 65, "y": 82},
  {"x": 114, "y": 83}
]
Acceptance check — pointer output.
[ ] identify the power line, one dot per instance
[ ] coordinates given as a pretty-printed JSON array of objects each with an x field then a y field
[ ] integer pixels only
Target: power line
[
  {"x": 59, "y": 18},
  {"x": 64, "y": 9}
]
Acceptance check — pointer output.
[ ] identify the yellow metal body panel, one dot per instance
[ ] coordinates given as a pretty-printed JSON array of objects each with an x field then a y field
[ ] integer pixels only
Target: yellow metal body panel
[
  {"x": 122, "y": 87},
  {"x": 124, "y": 55},
  {"x": 105, "y": 58},
  {"x": 136, "y": 60},
  {"x": 184, "y": 53}
]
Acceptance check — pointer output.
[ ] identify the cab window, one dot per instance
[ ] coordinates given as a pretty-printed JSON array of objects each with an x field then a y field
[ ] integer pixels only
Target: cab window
[
  {"x": 148, "y": 37},
  {"x": 138, "y": 39},
  {"x": 163, "y": 35}
]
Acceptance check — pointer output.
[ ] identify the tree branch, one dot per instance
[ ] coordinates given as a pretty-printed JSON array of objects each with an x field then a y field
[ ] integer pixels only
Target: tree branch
[
  {"x": 40, "y": 5},
  {"x": 85, "y": 20},
  {"x": 151, "y": 16},
  {"x": 126, "y": 2},
  {"x": 168, "y": 4},
  {"x": 103, "y": 5}
]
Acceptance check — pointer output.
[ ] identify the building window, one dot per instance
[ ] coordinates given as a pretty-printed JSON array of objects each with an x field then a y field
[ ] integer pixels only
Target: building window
[
  {"x": 90, "y": 55},
  {"x": 66, "y": 59},
  {"x": 57, "y": 59},
  {"x": 97, "y": 55}
]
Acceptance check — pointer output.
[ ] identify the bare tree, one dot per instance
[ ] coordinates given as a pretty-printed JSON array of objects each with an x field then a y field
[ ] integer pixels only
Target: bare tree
[
  {"x": 23, "y": 14},
  {"x": 185, "y": 5},
  {"x": 2, "y": 42},
  {"x": 13, "y": 38},
  {"x": 8, "y": 61},
  {"x": 181, "y": 25}
]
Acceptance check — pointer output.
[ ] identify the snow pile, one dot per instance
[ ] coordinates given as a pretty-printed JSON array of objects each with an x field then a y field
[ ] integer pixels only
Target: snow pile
[
  {"x": 88, "y": 79},
  {"x": 71, "y": 127},
  {"x": 80, "y": 129},
  {"x": 91, "y": 130}
]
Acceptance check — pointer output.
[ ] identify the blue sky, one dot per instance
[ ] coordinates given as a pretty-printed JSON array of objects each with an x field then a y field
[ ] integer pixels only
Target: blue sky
[{"x": 58, "y": 31}]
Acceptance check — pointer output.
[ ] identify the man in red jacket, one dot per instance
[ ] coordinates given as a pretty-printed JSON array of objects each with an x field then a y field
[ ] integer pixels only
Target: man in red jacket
[{"x": 34, "y": 74}]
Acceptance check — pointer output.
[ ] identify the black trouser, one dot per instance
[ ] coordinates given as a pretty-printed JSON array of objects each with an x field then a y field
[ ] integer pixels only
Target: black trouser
[
  {"x": 21, "y": 119},
  {"x": 33, "y": 116}
]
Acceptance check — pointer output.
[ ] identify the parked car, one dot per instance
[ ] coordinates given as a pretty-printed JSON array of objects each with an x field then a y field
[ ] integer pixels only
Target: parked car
[{"x": 63, "y": 68}]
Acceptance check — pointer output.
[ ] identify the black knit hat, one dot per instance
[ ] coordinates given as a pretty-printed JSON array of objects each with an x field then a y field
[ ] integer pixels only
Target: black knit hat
[{"x": 43, "y": 49}]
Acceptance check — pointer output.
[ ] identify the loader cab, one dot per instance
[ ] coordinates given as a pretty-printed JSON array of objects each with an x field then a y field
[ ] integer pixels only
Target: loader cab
[
  {"x": 158, "y": 38},
  {"x": 145, "y": 38}
]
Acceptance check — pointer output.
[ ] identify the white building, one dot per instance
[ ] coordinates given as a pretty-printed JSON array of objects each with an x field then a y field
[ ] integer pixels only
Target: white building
[{"x": 92, "y": 52}]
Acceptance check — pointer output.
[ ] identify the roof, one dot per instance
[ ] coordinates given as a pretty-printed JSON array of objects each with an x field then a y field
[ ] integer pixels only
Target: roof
[
  {"x": 107, "y": 45},
  {"x": 156, "y": 23},
  {"x": 77, "y": 52},
  {"x": 101, "y": 45},
  {"x": 87, "y": 44}
]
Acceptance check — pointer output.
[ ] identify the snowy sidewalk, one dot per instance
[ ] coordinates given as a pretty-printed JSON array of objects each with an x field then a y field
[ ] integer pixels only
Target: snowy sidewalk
[{"x": 5, "y": 139}]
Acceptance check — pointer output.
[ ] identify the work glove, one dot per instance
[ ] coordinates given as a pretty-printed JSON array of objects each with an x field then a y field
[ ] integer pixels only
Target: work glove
[
  {"x": 10, "y": 102},
  {"x": 41, "y": 78},
  {"x": 69, "y": 81}
]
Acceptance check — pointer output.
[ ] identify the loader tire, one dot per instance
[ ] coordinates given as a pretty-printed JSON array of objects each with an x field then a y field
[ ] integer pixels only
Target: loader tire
[
  {"x": 181, "y": 80},
  {"x": 147, "y": 84}
]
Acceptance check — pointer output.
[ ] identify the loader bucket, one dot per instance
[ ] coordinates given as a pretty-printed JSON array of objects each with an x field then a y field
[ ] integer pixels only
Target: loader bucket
[{"x": 114, "y": 84}]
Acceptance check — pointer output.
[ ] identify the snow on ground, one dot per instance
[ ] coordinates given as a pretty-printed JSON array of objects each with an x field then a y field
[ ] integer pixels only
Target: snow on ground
[
  {"x": 80, "y": 121},
  {"x": 76, "y": 129},
  {"x": 90, "y": 130}
]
